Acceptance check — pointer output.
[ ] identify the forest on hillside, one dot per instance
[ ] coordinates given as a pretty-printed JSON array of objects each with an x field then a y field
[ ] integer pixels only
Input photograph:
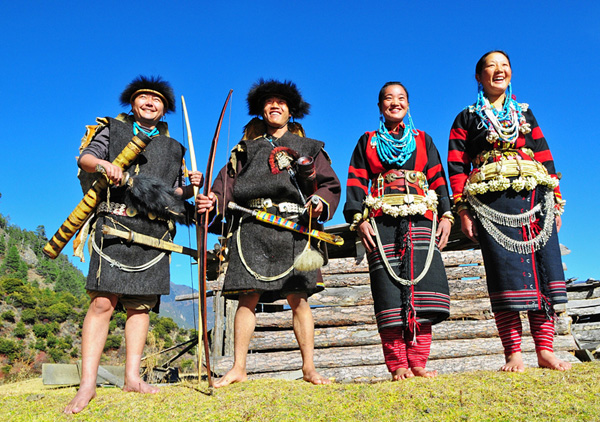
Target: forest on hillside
[{"x": 42, "y": 307}]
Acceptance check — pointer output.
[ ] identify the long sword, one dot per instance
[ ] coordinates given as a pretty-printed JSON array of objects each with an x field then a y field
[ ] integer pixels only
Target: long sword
[{"x": 278, "y": 221}]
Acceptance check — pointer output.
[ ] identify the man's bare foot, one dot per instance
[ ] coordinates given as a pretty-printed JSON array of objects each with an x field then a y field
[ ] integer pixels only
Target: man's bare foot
[
  {"x": 419, "y": 371},
  {"x": 314, "y": 377},
  {"x": 514, "y": 363},
  {"x": 139, "y": 386},
  {"x": 231, "y": 377},
  {"x": 402, "y": 374},
  {"x": 547, "y": 359},
  {"x": 81, "y": 400}
]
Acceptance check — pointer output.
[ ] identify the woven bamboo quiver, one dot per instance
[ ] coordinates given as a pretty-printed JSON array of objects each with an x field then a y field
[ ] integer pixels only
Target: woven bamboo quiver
[{"x": 88, "y": 204}]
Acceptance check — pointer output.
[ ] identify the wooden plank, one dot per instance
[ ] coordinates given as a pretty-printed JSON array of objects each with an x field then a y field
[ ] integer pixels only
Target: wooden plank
[
  {"x": 326, "y": 316},
  {"x": 372, "y": 354},
  {"x": 230, "y": 309},
  {"x": 583, "y": 303},
  {"x": 360, "y": 335},
  {"x": 591, "y": 310},
  {"x": 218, "y": 332},
  {"x": 471, "y": 309},
  {"x": 69, "y": 374},
  {"x": 377, "y": 373},
  {"x": 589, "y": 293},
  {"x": 455, "y": 258},
  {"x": 587, "y": 332},
  {"x": 354, "y": 265}
]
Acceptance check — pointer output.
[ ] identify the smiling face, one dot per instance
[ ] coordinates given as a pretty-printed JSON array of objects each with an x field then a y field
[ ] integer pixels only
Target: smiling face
[
  {"x": 393, "y": 104},
  {"x": 147, "y": 109},
  {"x": 495, "y": 75},
  {"x": 276, "y": 115}
]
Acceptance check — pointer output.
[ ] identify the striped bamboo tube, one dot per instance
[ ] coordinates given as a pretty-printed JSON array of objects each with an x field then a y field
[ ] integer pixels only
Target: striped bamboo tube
[{"x": 90, "y": 201}]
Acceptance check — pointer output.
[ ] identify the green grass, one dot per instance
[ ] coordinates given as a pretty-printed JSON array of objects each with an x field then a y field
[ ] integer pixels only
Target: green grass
[{"x": 477, "y": 396}]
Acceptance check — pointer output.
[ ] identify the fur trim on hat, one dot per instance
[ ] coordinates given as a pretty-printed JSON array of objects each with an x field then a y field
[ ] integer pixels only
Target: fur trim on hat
[
  {"x": 287, "y": 90},
  {"x": 153, "y": 84}
]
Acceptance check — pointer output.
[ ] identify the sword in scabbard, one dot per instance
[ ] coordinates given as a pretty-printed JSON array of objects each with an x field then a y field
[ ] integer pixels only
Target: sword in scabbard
[
  {"x": 90, "y": 201},
  {"x": 278, "y": 221},
  {"x": 142, "y": 239}
]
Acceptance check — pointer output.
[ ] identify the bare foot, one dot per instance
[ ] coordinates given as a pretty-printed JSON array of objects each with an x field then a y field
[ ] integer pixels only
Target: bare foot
[
  {"x": 547, "y": 359},
  {"x": 139, "y": 386},
  {"x": 314, "y": 377},
  {"x": 401, "y": 374},
  {"x": 81, "y": 400},
  {"x": 514, "y": 363},
  {"x": 231, "y": 377},
  {"x": 419, "y": 371}
]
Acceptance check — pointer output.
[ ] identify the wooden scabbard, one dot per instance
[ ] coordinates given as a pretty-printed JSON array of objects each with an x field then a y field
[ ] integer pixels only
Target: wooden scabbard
[
  {"x": 142, "y": 239},
  {"x": 88, "y": 204}
]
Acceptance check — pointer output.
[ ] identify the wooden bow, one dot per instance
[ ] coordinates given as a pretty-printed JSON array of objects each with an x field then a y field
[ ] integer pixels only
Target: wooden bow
[{"x": 202, "y": 231}]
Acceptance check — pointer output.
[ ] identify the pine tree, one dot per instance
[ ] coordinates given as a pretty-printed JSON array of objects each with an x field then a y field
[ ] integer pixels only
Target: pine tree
[{"x": 12, "y": 261}]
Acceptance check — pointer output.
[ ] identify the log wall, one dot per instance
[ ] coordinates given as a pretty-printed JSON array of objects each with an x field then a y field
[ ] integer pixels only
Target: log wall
[{"x": 347, "y": 345}]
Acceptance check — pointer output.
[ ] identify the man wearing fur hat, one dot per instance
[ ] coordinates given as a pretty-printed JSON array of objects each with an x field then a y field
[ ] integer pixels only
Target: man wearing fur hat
[
  {"x": 264, "y": 173},
  {"x": 122, "y": 273}
]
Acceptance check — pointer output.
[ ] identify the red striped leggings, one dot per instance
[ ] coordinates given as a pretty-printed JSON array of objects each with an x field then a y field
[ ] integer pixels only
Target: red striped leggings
[
  {"x": 510, "y": 330},
  {"x": 402, "y": 349}
]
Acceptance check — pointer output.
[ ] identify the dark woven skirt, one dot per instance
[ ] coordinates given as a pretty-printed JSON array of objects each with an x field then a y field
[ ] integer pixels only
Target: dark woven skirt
[
  {"x": 430, "y": 297},
  {"x": 105, "y": 276},
  {"x": 521, "y": 282},
  {"x": 268, "y": 251}
]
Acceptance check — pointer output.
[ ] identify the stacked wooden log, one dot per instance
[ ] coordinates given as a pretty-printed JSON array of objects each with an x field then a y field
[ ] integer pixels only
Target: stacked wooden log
[
  {"x": 584, "y": 308},
  {"x": 347, "y": 344}
]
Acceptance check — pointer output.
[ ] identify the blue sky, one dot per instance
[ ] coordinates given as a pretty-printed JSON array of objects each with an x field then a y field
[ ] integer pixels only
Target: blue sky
[{"x": 64, "y": 63}]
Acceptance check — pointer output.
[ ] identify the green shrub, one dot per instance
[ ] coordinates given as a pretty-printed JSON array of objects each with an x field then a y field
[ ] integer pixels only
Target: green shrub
[
  {"x": 112, "y": 342},
  {"x": 29, "y": 316},
  {"x": 20, "y": 330},
  {"x": 57, "y": 355},
  {"x": 40, "y": 344},
  {"x": 8, "y": 347},
  {"x": 8, "y": 316},
  {"x": 40, "y": 330}
]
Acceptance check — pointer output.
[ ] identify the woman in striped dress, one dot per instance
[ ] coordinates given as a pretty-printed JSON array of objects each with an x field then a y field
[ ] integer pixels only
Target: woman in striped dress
[
  {"x": 398, "y": 202},
  {"x": 506, "y": 192}
]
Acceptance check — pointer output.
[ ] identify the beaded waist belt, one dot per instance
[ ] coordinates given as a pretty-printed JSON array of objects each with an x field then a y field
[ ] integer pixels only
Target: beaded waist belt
[
  {"x": 123, "y": 210},
  {"x": 399, "y": 182},
  {"x": 116, "y": 209},
  {"x": 263, "y": 203},
  {"x": 507, "y": 168},
  {"x": 510, "y": 153}
]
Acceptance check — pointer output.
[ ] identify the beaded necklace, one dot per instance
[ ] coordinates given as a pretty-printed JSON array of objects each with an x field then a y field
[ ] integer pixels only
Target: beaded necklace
[
  {"x": 137, "y": 128},
  {"x": 502, "y": 124},
  {"x": 391, "y": 150}
]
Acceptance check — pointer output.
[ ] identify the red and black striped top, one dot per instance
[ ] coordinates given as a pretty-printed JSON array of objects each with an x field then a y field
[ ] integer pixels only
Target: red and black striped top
[
  {"x": 365, "y": 166},
  {"x": 468, "y": 140}
]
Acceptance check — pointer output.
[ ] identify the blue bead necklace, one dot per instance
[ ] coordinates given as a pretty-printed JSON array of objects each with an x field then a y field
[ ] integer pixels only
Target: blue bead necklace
[
  {"x": 391, "y": 150},
  {"x": 137, "y": 128},
  {"x": 505, "y": 122}
]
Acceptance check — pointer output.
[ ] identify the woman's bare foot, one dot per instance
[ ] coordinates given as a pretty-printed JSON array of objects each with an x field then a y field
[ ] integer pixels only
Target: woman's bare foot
[
  {"x": 402, "y": 374},
  {"x": 139, "y": 386},
  {"x": 81, "y": 400},
  {"x": 231, "y": 377},
  {"x": 547, "y": 359},
  {"x": 514, "y": 363},
  {"x": 314, "y": 377},
  {"x": 421, "y": 372}
]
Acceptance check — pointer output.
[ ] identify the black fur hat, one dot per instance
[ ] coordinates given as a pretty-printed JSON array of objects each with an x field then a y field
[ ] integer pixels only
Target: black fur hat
[
  {"x": 287, "y": 90},
  {"x": 153, "y": 84}
]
